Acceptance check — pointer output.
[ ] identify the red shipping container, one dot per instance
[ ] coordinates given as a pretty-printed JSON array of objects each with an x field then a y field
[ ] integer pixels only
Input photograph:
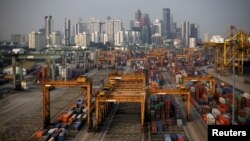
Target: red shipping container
[
  {"x": 223, "y": 120},
  {"x": 222, "y": 110},
  {"x": 224, "y": 106}
]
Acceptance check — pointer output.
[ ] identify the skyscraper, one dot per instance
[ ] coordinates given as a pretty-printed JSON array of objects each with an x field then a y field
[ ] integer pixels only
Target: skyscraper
[
  {"x": 55, "y": 38},
  {"x": 82, "y": 39},
  {"x": 36, "y": 40},
  {"x": 138, "y": 15},
  {"x": 78, "y": 28},
  {"x": 67, "y": 31},
  {"x": 111, "y": 28},
  {"x": 166, "y": 22},
  {"x": 156, "y": 37},
  {"x": 48, "y": 29},
  {"x": 146, "y": 31},
  {"x": 185, "y": 32},
  {"x": 194, "y": 31},
  {"x": 157, "y": 27}
]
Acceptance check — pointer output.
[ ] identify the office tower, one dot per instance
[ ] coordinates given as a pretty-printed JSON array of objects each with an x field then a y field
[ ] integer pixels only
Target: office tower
[
  {"x": 19, "y": 39},
  {"x": 207, "y": 37},
  {"x": 78, "y": 28},
  {"x": 94, "y": 26},
  {"x": 194, "y": 31},
  {"x": 82, "y": 39},
  {"x": 185, "y": 32},
  {"x": 156, "y": 37},
  {"x": 119, "y": 38},
  {"x": 146, "y": 31},
  {"x": 48, "y": 29},
  {"x": 67, "y": 31},
  {"x": 95, "y": 37},
  {"x": 56, "y": 39},
  {"x": 131, "y": 24},
  {"x": 111, "y": 28},
  {"x": 192, "y": 42},
  {"x": 138, "y": 15},
  {"x": 166, "y": 22},
  {"x": 36, "y": 40},
  {"x": 157, "y": 27},
  {"x": 135, "y": 37}
]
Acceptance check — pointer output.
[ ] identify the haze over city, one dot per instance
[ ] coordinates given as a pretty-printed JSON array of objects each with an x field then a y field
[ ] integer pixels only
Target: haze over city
[{"x": 213, "y": 16}]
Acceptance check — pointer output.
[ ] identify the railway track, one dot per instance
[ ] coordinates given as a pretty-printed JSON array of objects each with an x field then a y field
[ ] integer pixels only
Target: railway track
[{"x": 125, "y": 125}]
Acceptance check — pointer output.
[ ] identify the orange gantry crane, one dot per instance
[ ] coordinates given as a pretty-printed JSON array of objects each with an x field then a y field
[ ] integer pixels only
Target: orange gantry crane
[
  {"x": 81, "y": 81},
  {"x": 121, "y": 88},
  {"x": 233, "y": 51},
  {"x": 159, "y": 53},
  {"x": 181, "y": 91},
  {"x": 106, "y": 57},
  {"x": 200, "y": 79}
]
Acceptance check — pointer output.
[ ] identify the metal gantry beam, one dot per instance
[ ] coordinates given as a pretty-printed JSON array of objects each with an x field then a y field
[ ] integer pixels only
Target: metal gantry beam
[
  {"x": 18, "y": 57},
  {"x": 173, "y": 92},
  {"x": 117, "y": 92},
  {"x": 81, "y": 81},
  {"x": 200, "y": 79}
]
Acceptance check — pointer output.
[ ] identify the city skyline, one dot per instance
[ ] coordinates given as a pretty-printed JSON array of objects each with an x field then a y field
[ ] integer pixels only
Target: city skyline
[{"x": 215, "y": 17}]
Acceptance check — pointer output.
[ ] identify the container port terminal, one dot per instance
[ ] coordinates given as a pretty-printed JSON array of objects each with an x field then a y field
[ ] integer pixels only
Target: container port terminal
[{"x": 137, "y": 93}]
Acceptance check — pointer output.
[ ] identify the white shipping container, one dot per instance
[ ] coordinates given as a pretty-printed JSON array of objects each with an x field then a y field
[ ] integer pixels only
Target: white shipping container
[
  {"x": 192, "y": 89},
  {"x": 246, "y": 95},
  {"x": 210, "y": 119},
  {"x": 222, "y": 100},
  {"x": 216, "y": 112},
  {"x": 179, "y": 122}
]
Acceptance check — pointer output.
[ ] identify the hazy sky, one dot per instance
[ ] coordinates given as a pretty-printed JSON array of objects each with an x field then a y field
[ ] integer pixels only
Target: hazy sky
[{"x": 213, "y": 16}]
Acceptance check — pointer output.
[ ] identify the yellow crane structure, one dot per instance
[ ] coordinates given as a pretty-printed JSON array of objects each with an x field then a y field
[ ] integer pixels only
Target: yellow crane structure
[
  {"x": 159, "y": 53},
  {"x": 107, "y": 57},
  {"x": 154, "y": 90},
  {"x": 194, "y": 53},
  {"x": 81, "y": 81},
  {"x": 121, "y": 88},
  {"x": 200, "y": 79},
  {"x": 235, "y": 47}
]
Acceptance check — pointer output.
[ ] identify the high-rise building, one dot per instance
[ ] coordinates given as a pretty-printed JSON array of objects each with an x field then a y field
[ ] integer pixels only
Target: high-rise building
[
  {"x": 94, "y": 26},
  {"x": 56, "y": 39},
  {"x": 19, "y": 39},
  {"x": 157, "y": 27},
  {"x": 156, "y": 39},
  {"x": 146, "y": 31},
  {"x": 95, "y": 37},
  {"x": 131, "y": 24},
  {"x": 67, "y": 31},
  {"x": 36, "y": 40},
  {"x": 194, "y": 31},
  {"x": 138, "y": 15},
  {"x": 111, "y": 28},
  {"x": 78, "y": 28},
  {"x": 119, "y": 38},
  {"x": 48, "y": 29},
  {"x": 207, "y": 37},
  {"x": 135, "y": 37},
  {"x": 166, "y": 22},
  {"x": 82, "y": 39},
  {"x": 185, "y": 32}
]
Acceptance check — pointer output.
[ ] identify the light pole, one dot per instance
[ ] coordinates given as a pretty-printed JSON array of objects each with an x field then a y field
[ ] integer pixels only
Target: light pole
[{"x": 233, "y": 110}]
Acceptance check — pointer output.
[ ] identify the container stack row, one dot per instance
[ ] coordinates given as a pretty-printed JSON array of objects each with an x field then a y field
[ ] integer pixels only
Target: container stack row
[
  {"x": 165, "y": 118},
  {"x": 156, "y": 75},
  {"x": 72, "y": 119}
]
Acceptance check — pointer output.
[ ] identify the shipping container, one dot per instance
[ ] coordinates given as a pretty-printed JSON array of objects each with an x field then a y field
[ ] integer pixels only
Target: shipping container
[{"x": 167, "y": 137}]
